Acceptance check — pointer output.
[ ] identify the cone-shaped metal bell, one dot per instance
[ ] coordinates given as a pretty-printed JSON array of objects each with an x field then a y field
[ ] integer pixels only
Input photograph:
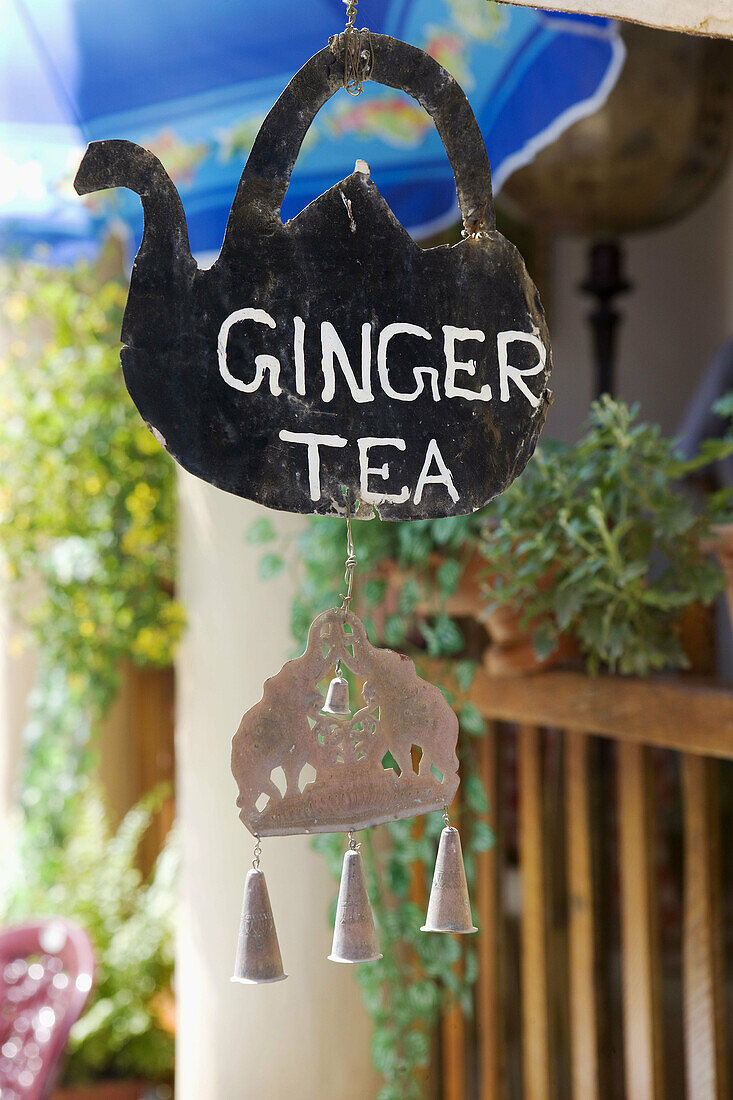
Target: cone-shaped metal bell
[
  {"x": 449, "y": 909},
  {"x": 337, "y": 698},
  {"x": 258, "y": 952},
  {"x": 354, "y": 936}
]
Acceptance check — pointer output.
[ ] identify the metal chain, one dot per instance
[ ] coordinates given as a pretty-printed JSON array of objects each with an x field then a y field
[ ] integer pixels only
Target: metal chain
[
  {"x": 257, "y": 853},
  {"x": 446, "y": 819},
  {"x": 351, "y": 564},
  {"x": 354, "y": 845},
  {"x": 351, "y": 6}
]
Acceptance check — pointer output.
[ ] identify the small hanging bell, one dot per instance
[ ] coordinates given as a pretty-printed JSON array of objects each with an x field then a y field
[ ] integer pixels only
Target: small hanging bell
[
  {"x": 337, "y": 698},
  {"x": 354, "y": 935},
  {"x": 449, "y": 909},
  {"x": 258, "y": 952}
]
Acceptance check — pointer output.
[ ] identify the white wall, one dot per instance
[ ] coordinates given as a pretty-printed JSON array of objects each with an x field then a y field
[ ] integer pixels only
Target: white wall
[
  {"x": 307, "y": 1037},
  {"x": 677, "y": 316},
  {"x": 17, "y": 674}
]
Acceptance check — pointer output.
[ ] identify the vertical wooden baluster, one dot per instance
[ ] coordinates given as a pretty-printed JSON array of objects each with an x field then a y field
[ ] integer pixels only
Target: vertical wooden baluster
[
  {"x": 419, "y": 897},
  {"x": 702, "y": 944},
  {"x": 152, "y": 722},
  {"x": 489, "y": 1018},
  {"x": 453, "y": 1036},
  {"x": 535, "y": 1020},
  {"x": 581, "y": 920},
  {"x": 453, "y": 1024},
  {"x": 641, "y": 974}
]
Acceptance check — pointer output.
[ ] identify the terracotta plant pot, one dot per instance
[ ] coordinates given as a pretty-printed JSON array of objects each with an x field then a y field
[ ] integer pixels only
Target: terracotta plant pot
[
  {"x": 511, "y": 650},
  {"x": 518, "y": 657}
]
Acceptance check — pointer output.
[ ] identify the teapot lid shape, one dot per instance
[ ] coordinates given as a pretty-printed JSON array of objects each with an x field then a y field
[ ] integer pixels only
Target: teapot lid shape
[{"x": 330, "y": 363}]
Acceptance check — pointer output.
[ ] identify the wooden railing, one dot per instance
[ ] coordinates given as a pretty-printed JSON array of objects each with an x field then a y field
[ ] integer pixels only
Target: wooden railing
[{"x": 580, "y": 996}]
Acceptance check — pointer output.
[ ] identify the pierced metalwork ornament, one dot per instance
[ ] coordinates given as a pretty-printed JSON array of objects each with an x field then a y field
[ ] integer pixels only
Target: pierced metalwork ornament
[{"x": 395, "y": 757}]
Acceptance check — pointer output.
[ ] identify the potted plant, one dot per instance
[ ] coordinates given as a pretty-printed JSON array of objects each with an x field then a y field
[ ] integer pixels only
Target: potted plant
[
  {"x": 124, "y": 1041},
  {"x": 602, "y": 541}
]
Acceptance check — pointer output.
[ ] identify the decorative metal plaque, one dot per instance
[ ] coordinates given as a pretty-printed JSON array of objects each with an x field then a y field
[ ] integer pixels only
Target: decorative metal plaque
[
  {"x": 394, "y": 757},
  {"x": 333, "y": 352}
]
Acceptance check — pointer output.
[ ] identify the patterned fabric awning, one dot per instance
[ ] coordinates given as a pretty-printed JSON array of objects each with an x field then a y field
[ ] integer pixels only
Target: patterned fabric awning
[{"x": 193, "y": 81}]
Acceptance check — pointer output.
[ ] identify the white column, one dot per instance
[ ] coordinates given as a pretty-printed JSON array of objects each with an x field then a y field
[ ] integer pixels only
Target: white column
[
  {"x": 17, "y": 675},
  {"x": 307, "y": 1037}
]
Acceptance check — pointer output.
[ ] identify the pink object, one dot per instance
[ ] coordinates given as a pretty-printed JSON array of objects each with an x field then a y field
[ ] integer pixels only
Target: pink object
[{"x": 46, "y": 976}]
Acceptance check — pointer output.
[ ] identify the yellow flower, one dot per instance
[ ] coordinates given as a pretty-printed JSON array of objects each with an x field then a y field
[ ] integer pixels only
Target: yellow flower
[
  {"x": 141, "y": 501},
  {"x": 93, "y": 485},
  {"x": 16, "y": 307},
  {"x": 86, "y": 628}
]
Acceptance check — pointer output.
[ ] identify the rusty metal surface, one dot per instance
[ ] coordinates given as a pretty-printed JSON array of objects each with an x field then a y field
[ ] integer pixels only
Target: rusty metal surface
[
  {"x": 649, "y": 155},
  {"x": 347, "y": 261},
  {"x": 352, "y": 789}
]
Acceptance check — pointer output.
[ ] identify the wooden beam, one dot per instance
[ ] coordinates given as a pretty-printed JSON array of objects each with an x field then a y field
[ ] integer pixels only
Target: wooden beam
[
  {"x": 489, "y": 1015},
  {"x": 152, "y": 720},
  {"x": 535, "y": 1017},
  {"x": 453, "y": 1026},
  {"x": 710, "y": 17},
  {"x": 581, "y": 921},
  {"x": 643, "y": 711},
  {"x": 453, "y": 1046},
  {"x": 640, "y": 954},
  {"x": 702, "y": 959}
]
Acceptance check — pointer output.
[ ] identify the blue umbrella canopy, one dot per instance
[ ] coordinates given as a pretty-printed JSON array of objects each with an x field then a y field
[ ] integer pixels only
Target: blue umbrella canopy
[{"x": 193, "y": 82}]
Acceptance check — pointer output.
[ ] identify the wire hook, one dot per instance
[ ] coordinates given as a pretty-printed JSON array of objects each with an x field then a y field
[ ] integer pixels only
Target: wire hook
[
  {"x": 358, "y": 62},
  {"x": 351, "y": 563}
]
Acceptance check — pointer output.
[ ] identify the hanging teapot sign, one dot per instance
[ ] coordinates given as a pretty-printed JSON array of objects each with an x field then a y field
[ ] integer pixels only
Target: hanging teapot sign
[{"x": 332, "y": 358}]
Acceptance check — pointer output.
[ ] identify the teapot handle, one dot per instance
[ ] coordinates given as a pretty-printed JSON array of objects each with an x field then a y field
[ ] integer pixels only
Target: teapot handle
[{"x": 396, "y": 64}]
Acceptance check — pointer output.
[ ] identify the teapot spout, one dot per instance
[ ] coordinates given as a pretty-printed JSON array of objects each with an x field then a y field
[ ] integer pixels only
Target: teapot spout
[{"x": 124, "y": 164}]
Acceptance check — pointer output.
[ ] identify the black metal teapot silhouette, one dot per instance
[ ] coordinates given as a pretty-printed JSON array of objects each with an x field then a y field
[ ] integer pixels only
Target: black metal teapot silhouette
[{"x": 331, "y": 362}]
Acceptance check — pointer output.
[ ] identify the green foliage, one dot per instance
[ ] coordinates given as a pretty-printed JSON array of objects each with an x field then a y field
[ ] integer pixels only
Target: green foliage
[
  {"x": 600, "y": 539},
  {"x": 130, "y": 922},
  {"x": 87, "y": 520}
]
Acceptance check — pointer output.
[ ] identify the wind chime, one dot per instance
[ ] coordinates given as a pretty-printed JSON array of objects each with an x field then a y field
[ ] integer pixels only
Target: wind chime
[
  {"x": 294, "y": 726},
  {"x": 245, "y": 372}
]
